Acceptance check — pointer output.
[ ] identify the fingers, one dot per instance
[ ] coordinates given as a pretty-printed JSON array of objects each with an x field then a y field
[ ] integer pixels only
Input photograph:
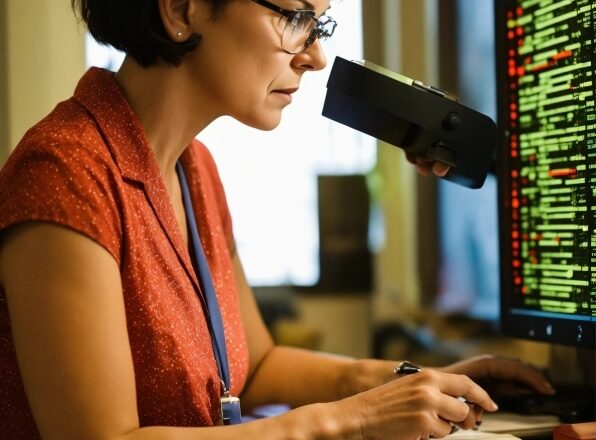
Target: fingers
[
  {"x": 440, "y": 169},
  {"x": 441, "y": 428},
  {"x": 504, "y": 370},
  {"x": 461, "y": 414},
  {"x": 473, "y": 419},
  {"x": 461, "y": 402},
  {"x": 478, "y": 413},
  {"x": 513, "y": 369},
  {"x": 453, "y": 409},
  {"x": 463, "y": 386},
  {"x": 427, "y": 404},
  {"x": 422, "y": 170},
  {"x": 536, "y": 378},
  {"x": 435, "y": 427},
  {"x": 425, "y": 166}
]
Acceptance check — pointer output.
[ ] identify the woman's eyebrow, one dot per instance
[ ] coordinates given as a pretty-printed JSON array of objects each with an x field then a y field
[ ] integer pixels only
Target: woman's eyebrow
[{"x": 309, "y": 5}]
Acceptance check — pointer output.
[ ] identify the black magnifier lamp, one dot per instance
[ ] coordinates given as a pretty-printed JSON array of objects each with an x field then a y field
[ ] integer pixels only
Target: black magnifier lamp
[{"x": 421, "y": 119}]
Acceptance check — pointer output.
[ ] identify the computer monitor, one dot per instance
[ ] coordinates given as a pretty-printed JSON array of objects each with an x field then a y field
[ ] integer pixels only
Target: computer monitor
[{"x": 546, "y": 76}]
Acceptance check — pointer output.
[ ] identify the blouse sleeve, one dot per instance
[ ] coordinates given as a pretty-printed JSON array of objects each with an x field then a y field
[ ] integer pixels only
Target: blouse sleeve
[{"x": 65, "y": 182}]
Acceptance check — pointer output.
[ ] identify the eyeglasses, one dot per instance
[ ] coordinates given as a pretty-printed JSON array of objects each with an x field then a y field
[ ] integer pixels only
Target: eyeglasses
[{"x": 300, "y": 27}]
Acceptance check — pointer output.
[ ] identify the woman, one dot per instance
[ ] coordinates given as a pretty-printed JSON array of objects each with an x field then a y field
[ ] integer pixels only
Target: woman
[{"x": 109, "y": 329}]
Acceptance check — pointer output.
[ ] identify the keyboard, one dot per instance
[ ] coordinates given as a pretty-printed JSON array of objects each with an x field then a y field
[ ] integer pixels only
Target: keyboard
[{"x": 572, "y": 404}]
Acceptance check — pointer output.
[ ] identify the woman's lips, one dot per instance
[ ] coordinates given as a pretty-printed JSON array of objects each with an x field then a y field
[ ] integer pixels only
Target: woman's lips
[
  {"x": 285, "y": 94},
  {"x": 288, "y": 91}
]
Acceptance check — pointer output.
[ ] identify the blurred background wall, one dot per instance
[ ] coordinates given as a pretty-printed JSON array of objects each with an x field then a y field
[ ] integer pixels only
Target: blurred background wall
[{"x": 41, "y": 59}]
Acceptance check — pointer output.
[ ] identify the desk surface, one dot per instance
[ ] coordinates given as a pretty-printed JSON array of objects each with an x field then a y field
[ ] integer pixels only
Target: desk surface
[{"x": 522, "y": 426}]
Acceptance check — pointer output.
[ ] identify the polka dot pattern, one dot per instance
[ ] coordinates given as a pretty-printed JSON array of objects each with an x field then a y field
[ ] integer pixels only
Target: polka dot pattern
[{"x": 88, "y": 166}]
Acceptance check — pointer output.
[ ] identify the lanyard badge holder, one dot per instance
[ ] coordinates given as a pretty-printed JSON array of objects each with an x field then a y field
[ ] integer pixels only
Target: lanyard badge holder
[{"x": 230, "y": 405}]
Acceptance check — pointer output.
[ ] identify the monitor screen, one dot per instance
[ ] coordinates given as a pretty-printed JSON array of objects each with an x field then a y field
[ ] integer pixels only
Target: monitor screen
[{"x": 546, "y": 72}]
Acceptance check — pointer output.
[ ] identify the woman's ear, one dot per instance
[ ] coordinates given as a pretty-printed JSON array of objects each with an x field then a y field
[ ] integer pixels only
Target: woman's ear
[{"x": 176, "y": 18}]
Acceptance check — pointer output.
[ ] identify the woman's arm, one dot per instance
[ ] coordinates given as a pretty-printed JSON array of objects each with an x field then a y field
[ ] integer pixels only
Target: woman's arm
[
  {"x": 69, "y": 329},
  {"x": 278, "y": 374},
  {"x": 299, "y": 377}
]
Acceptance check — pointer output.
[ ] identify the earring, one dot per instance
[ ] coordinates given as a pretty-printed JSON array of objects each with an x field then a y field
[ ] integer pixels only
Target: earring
[{"x": 179, "y": 34}]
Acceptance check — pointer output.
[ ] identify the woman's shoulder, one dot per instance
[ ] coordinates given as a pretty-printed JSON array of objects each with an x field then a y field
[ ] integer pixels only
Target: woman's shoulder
[
  {"x": 62, "y": 172},
  {"x": 65, "y": 145},
  {"x": 68, "y": 131}
]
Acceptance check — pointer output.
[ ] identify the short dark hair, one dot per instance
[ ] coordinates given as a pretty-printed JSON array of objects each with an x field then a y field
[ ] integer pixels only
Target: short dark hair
[{"x": 135, "y": 27}]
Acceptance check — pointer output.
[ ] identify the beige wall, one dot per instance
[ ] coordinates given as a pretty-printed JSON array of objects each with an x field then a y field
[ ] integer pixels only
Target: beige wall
[
  {"x": 397, "y": 36},
  {"x": 43, "y": 59},
  {"x": 3, "y": 85}
]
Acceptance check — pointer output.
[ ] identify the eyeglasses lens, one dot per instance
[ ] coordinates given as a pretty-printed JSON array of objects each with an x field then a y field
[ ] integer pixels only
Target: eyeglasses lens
[{"x": 297, "y": 30}]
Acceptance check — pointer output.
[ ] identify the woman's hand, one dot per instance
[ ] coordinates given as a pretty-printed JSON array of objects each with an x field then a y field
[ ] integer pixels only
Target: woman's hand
[
  {"x": 418, "y": 406},
  {"x": 426, "y": 166},
  {"x": 501, "y": 376}
]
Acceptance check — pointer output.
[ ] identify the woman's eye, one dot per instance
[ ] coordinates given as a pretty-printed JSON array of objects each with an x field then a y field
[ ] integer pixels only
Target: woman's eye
[{"x": 300, "y": 20}]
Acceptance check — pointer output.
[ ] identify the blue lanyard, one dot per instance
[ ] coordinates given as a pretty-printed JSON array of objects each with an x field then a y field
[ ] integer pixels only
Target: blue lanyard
[{"x": 214, "y": 320}]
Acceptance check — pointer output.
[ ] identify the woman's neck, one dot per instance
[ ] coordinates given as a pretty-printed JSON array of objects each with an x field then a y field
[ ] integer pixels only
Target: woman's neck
[{"x": 169, "y": 114}]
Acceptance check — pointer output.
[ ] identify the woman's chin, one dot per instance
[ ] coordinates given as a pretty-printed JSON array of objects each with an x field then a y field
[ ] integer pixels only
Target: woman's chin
[{"x": 265, "y": 124}]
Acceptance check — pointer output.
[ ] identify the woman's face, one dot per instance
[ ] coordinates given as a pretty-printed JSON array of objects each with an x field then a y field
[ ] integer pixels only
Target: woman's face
[{"x": 240, "y": 65}]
